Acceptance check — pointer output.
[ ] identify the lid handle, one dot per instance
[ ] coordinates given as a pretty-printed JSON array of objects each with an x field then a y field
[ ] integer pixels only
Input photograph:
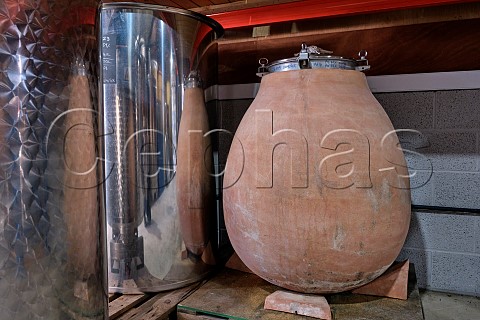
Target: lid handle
[
  {"x": 362, "y": 63},
  {"x": 304, "y": 57},
  {"x": 262, "y": 70},
  {"x": 193, "y": 80},
  {"x": 306, "y": 52}
]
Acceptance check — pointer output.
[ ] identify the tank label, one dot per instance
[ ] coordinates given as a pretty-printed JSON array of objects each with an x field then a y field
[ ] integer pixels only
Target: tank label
[{"x": 109, "y": 61}]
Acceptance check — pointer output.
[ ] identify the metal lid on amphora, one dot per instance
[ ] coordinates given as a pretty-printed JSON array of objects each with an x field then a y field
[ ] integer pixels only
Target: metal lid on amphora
[{"x": 313, "y": 57}]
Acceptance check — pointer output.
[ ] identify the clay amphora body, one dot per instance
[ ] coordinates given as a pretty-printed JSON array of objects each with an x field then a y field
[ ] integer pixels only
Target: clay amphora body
[{"x": 316, "y": 194}]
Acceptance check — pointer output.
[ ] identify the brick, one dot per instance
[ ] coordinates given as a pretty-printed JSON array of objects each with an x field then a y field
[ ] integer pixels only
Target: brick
[
  {"x": 308, "y": 305},
  {"x": 392, "y": 284}
]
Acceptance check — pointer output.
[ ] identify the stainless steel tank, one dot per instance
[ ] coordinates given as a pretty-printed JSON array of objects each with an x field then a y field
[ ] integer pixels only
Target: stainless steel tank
[
  {"x": 51, "y": 238},
  {"x": 152, "y": 57}
]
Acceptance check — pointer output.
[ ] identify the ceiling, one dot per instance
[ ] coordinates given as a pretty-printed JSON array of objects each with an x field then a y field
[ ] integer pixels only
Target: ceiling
[
  {"x": 239, "y": 13},
  {"x": 218, "y": 6}
]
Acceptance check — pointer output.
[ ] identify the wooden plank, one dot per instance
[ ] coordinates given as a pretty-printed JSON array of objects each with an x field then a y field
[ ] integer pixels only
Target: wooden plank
[
  {"x": 236, "y": 295},
  {"x": 464, "y": 11},
  {"x": 124, "y": 303},
  {"x": 233, "y": 295},
  {"x": 113, "y": 296},
  {"x": 168, "y": 3},
  {"x": 185, "y": 4},
  {"x": 396, "y": 18},
  {"x": 160, "y": 306},
  {"x": 225, "y": 6},
  {"x": 420, "y": 48},
  {"x": 202, "y": 3},
  {"x": 186, "y": 316},
  {"x": 310, "y": 9}
]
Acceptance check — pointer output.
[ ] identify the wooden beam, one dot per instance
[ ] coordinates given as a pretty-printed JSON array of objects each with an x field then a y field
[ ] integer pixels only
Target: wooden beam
[
  {"x": 405, "y": 17},
  {"x": 224, "y": 6},
  {"x": 421, "y": 48},
  {"x": 309, "y": 9},
  {"x": 161, "y": 305},
  {"x": 124, "y": 303}
]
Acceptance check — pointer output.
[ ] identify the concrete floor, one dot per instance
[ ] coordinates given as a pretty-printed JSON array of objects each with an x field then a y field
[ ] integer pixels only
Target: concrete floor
[{"x": 447, "y": 306}]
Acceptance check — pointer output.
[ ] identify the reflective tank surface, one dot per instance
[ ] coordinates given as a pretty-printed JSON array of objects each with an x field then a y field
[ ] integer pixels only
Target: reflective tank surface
[
  {"x": 51, "y": 239},
  {"x": 155, "y": 154}
]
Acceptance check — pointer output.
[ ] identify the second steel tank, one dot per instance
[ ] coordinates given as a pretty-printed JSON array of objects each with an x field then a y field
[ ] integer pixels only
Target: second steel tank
[{"x": 158, "y": 181}]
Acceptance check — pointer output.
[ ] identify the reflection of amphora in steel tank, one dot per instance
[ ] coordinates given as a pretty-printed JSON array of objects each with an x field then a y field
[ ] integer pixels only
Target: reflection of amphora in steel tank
[
  {"x": 158, "y": 186},
  {"x": 319, "y": 196},
  {"x": 51, "y": 247}
]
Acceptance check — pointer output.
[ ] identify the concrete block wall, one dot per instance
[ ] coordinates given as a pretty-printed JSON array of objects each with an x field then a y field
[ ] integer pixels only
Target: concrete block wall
[
  {"x": 448, "y": 125},
  {"x": 443, "y": 245},
  {"x": 225, "y": 115}
]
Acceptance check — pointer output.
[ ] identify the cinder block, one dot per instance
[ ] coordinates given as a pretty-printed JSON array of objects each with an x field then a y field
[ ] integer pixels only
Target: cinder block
[
  {"x": 224, "y": 143},
  {"x": 227, "y": 112},
  {"x": 477, "y": 234},
  {"x": 455, "y": 162},
  {"x": 457, "y": 109},
  {"x": 457, "y": 273},
  {"x": 409, "y": 110},
  {"x": 457, "y": 189},
  {"x": 416, "y": 145},
  {"x": 438, "y": 231},
  {"x": 452, "y": 151},
  {"x": 421, "y": 187},
  {"x": 419, "y": 165},
  {"x": 421, "y": 260},
  {"x": 441, "y": 151},
  {"x": 415, "y": 236},
  {"x": 213, "y": 111},
  {"x": 240, "y": 107},
  {"x": 418, "y": 159},
  {"x": 235, "y": 109},
  {"x": 231, "y": 113}
]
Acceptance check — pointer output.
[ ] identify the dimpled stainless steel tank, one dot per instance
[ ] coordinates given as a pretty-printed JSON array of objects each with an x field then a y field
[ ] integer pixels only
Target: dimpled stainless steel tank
[
  {"x": 157, "y": 189},
  {"x": 51, "y": 246}
]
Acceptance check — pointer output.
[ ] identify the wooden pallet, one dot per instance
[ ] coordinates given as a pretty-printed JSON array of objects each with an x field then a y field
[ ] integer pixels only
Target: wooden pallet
[
  {"x": 152, "y": 306},
  {"x": 232, "y": 294},
  {"x": 237, "y": 295}
]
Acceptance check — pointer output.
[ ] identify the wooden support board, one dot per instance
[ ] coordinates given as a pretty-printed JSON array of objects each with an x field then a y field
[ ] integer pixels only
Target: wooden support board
[
  {"x": 399, "y": 49},
  {"x": 237, "y": 295},
  {"x": 152, "y": 306}
]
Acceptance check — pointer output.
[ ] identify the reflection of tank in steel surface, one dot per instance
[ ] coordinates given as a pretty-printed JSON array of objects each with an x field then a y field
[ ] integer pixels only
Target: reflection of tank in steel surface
[
  {"x": 51, "y": 249},
  {"x": 147, "y": 53},
  {"x": 194, "y": 178}
]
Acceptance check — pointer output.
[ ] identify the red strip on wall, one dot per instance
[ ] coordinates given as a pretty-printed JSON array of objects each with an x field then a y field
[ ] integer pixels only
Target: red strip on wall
[{"x": 316, "y": 9}]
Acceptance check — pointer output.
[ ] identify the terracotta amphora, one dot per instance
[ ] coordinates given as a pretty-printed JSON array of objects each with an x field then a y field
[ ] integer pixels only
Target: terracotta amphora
[{"x": 316, "y": 189}]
